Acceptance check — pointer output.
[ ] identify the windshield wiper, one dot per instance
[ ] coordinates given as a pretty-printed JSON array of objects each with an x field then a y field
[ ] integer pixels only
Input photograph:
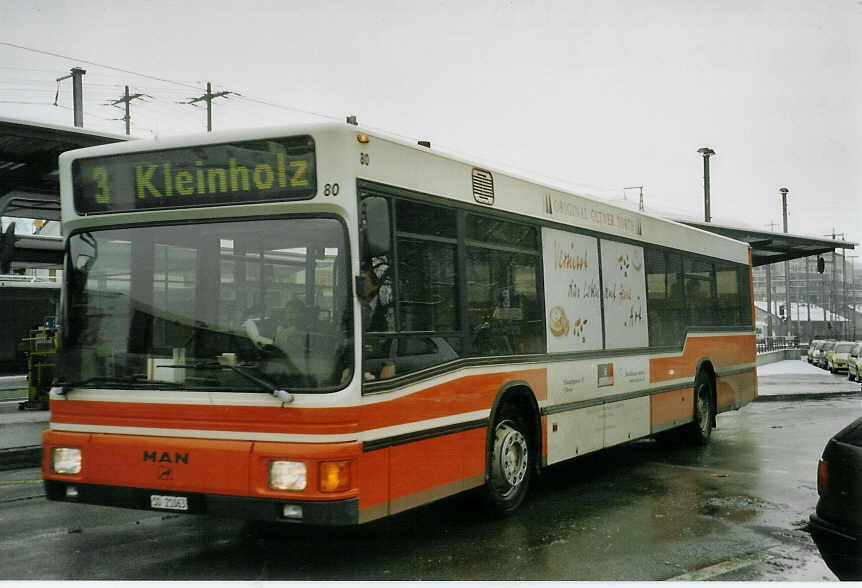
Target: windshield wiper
[
  {"x": 63, "y": 387},
  {"x": 278, "y": 391}
]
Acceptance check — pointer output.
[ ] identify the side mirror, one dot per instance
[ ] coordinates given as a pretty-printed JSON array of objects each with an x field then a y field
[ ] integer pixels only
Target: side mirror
[{"x": 374, "y": 226}]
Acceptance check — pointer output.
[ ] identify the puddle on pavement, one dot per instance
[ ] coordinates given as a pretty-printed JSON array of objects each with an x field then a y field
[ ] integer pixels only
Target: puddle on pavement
[{"x": 738, "y": 509}]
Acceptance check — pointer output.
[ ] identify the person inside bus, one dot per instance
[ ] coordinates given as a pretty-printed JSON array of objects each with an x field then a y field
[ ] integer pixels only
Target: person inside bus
[
  {"x": 376, "y": 316},
  {"x": 293, "y": 324},
  {"x": 253, "y": 326}
]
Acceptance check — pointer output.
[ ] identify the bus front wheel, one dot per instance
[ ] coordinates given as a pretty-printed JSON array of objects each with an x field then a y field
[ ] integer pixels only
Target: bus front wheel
[
  {"x": 701, "y": 429},
  {"x": 509, "y": 468}
]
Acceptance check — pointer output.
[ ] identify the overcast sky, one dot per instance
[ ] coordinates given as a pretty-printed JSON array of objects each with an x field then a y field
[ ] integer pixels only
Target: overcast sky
[{"x": 594, "y": 95}]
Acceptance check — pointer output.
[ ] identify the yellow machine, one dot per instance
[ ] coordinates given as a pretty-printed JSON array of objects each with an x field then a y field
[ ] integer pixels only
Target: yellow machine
[{"x": 41, "y": 348}]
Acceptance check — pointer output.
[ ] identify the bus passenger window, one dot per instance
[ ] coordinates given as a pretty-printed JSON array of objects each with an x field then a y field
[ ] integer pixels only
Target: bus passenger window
[
  {"x": 665, "y": 298},
  {"x": 502, "y": 294}
]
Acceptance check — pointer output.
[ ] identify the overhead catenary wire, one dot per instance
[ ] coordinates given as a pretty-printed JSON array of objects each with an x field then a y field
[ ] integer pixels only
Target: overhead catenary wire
[
  {"x": 264, "y": 102},
  {"x": 95, "y": 64}
]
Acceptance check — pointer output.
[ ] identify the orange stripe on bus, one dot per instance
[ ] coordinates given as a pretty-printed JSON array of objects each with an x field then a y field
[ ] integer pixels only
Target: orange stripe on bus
[
  {"x": 669, "y": 407},
  {"x": 434, "y": 468},
  {"x": 461, "y": 395},
  {"x": 458, "y": 396},
  {"x": 263, "y": 419},
  {"x": 735, "y": 390},
  {"x": 722, "y": 351}
]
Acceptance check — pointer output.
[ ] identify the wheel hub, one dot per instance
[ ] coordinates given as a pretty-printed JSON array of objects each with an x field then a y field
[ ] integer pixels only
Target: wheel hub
[{"x": 511, "y": 457}]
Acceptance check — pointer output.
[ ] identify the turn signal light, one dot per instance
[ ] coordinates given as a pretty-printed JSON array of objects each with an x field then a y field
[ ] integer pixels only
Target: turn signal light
[
  {"x": 334, "y": 476},
  {"x": 822, "y": 477}
]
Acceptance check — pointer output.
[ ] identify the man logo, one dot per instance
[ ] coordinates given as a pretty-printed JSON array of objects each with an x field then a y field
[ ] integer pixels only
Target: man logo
[
  {"x": 166, "y": 457},
  {"x": 166, "y": 473}
]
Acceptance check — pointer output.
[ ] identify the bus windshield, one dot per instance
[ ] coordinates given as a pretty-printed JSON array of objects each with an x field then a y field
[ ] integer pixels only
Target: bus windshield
[{"x": 232, "y": 306}]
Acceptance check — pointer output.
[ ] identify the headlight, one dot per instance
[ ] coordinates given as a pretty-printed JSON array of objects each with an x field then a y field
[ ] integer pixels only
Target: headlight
[
  {"x": 287, "y": 475},
  {"x": 66, "y": 460}
]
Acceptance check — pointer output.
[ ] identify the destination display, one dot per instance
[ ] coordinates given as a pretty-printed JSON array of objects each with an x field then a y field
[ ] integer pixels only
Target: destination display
[{"x": 205, "y": 175}]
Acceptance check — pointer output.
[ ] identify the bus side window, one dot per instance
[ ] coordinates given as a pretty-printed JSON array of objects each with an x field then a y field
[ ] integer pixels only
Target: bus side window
[
  {"x": 665, "y": 298},
  {"x": 505, "y": 317}
]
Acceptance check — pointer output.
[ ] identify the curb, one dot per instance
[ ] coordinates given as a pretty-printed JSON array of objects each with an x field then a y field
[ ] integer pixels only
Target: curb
[
  {"x": 805, "y": 396},
  {"x": 20, "y": 457}
]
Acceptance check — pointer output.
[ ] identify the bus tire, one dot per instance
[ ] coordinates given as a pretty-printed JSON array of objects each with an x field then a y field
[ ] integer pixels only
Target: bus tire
[
  {"x": 509, "y": 462},
  {"x": 700, "y": 430}
]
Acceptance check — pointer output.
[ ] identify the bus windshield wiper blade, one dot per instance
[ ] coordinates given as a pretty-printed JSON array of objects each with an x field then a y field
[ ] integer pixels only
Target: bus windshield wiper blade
[
  {"x": 64, "y": 387},
  {"x": 278, "y": 391}
]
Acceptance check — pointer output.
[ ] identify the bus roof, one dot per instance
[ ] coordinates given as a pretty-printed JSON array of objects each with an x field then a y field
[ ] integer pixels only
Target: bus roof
[{"x": 560, "y": 202}]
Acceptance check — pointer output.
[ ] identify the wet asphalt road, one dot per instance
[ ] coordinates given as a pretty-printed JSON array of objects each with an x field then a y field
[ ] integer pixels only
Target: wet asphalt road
[{"x": 734, "y": 510}]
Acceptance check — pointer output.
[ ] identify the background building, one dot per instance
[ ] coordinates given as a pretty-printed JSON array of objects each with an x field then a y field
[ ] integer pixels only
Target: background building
[{"x": 822, "y": 305}]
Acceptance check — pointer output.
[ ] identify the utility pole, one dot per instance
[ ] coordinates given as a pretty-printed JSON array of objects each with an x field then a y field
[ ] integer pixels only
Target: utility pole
[
  {"x": 853, "y": 293},
  {"x": 706, "y": 152},
  {"x": 769, "y": 300},
  {"x": 127, "y": 99},
  {"x": 844, "y": 281},
  {"x": 77, "y": 94},
  {"x": 834, "y": 285},
  {"x": 641, "y": 188},
  {"x": 208, "y": 97},
  {"x": 808, "y": 297}
]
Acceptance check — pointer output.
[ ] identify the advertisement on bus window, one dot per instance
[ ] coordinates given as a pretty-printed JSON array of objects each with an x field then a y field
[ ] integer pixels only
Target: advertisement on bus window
[
  {"x": 624, "y": 292},
  {"x": 572, "y": 291}
]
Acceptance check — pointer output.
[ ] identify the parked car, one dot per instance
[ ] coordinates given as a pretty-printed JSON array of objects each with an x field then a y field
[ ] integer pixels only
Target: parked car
[
  {"x": 818, "y": 349},
  {"x": 853, "y": 364},
  {"x": 836, "y": 526},
  {"x": 837, "y": 361},
  {"x": 811, "y": 347},
  {"x": 823, "y": 358}
]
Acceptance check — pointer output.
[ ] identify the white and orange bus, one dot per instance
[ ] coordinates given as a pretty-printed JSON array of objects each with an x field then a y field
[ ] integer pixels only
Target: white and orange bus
[{"x": 321, "y": 325}]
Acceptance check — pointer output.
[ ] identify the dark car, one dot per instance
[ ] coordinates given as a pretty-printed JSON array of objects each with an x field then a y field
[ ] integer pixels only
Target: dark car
[{"x": 837, "y": 524}]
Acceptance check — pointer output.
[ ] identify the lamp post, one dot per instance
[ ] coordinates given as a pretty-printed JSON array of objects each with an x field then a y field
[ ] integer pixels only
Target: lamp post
[
  {"x": 789, "y": 320},
  {"x": 706, "y": 152}
]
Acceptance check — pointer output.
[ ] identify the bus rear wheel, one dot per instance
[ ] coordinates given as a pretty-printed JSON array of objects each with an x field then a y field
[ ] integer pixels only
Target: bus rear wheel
[
  {"x": 509, "y": 464},
  {"x": 700, "y": 430}
]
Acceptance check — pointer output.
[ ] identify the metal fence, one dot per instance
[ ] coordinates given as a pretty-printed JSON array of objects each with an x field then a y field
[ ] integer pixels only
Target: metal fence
[{"x": 767, "y": 344}]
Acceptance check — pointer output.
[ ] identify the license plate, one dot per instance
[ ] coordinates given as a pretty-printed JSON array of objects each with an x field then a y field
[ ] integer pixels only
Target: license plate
[{"x": 169, "y": 502}]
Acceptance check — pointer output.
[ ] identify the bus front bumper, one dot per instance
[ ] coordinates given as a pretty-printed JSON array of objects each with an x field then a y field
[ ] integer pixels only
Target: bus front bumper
[{"x": 325, "y": 513}]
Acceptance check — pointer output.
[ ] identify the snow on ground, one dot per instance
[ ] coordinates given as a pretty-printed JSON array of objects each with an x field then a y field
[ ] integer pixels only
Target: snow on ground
[{"x": 788, "y": 366}]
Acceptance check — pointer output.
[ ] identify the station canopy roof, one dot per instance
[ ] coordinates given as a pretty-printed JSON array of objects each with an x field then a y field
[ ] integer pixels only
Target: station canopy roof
[
  {"x": 29, "y": 180},
  {"x": 30, "y": 185},
  {"x": 768, "y": 247}
]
